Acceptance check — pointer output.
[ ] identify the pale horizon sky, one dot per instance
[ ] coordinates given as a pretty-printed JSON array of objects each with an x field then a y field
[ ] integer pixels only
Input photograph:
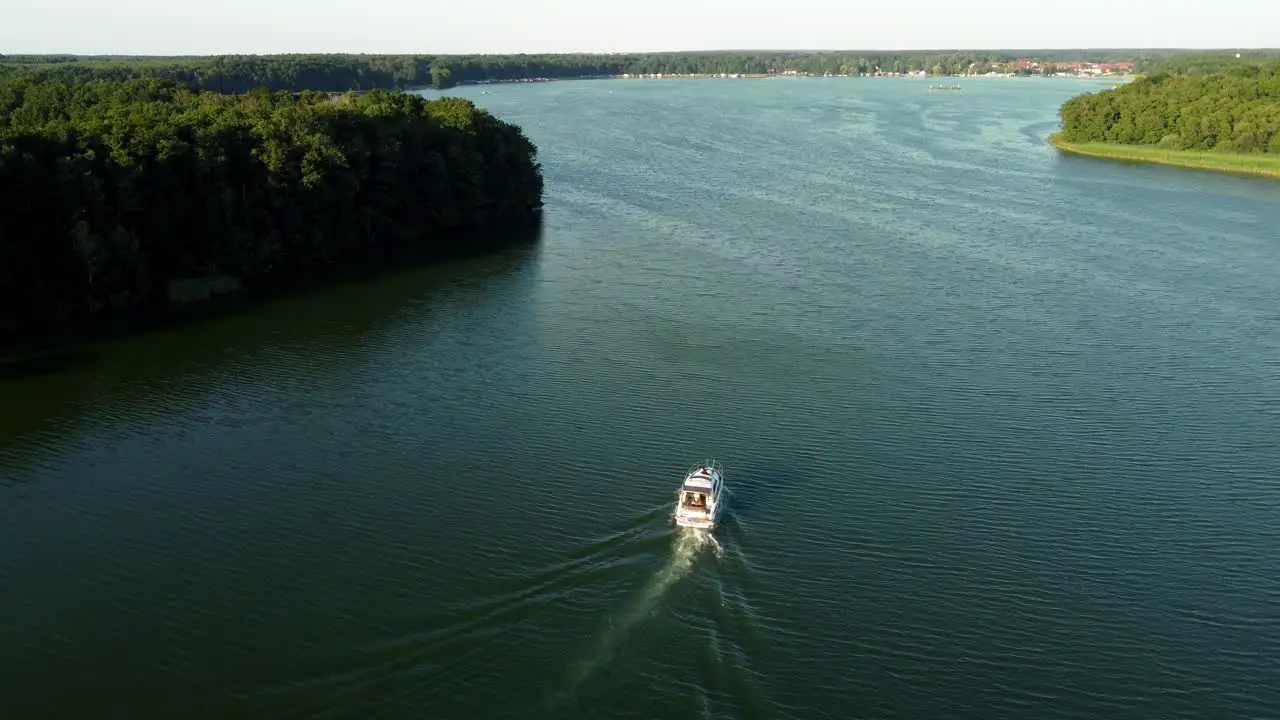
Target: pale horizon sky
[{"x": 166, "y": 27}]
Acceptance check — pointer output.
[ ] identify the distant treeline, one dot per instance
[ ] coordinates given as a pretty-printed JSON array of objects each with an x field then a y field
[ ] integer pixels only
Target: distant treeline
[
  {"x": 1236, "y": 111},
  {"x": 131, "y": 196},
  {"x": 1207, "y": 63},
  {"x": 336, "y": 73}
]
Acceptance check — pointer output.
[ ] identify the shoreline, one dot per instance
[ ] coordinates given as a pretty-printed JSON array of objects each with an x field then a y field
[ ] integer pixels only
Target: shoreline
[
  {"x": 1119, "y": 79},
  {"x": 1231, "y": 163}
]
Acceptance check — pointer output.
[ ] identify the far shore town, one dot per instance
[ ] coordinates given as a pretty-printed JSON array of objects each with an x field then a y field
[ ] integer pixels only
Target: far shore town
[{"x": 1018, "y": 67}]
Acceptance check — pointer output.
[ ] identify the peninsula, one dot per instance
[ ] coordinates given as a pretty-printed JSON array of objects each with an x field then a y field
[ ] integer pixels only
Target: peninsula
[
  {"x": 136, "y": 197},
  {"x": 1227, "y": 120}
]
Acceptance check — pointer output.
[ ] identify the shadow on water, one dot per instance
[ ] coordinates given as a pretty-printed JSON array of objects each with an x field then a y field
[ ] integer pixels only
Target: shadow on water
[
  {"x": 156, "y": 368},
  {"x": 48, "y": 362},
  {"x": 59, "y": 350}
]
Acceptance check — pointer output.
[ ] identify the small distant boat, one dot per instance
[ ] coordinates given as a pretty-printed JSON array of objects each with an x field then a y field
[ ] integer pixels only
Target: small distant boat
[
  {"x": 700, "y": 498},
  {"x": 936, "y": 88}
]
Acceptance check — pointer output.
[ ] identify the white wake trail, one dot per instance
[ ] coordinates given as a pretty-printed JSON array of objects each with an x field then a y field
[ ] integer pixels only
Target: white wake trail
[{"x": 689, "y": 542}]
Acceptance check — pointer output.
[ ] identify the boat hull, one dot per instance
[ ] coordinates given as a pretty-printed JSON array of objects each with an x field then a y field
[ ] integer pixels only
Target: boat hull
[{"x": 698, "y": 522}]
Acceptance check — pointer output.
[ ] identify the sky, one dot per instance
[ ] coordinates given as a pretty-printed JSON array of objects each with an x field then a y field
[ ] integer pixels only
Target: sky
[{"x": 183, "y": 27}]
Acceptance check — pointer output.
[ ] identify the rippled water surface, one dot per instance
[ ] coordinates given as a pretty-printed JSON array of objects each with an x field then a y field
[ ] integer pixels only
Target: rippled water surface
[{"x": 1002, "y": 429}]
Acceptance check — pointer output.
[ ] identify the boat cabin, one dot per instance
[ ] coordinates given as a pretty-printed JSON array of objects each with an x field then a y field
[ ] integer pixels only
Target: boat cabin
[
  {"x": 695, "y": 500},
  {"x": 696, "y": 491}
]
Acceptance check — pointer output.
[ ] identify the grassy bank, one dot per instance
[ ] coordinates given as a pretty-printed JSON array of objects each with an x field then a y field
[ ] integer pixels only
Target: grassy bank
[{"x": 1265, "y": 165}]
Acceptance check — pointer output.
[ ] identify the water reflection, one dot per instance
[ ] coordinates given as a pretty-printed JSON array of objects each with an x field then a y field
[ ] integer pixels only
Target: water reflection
[{"x": 155, "y": 370}]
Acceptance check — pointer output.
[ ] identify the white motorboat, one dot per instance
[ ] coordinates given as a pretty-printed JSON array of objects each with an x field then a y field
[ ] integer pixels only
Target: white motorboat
[{"x": 700, "y": 499}]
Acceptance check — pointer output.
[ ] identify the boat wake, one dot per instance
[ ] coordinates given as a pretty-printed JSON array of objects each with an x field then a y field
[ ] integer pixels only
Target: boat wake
[{"x": 689, "y": 542}]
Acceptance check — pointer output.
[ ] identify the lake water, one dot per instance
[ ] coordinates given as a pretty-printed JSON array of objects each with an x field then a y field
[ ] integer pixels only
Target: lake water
[{"x": 1002, "y": 429}]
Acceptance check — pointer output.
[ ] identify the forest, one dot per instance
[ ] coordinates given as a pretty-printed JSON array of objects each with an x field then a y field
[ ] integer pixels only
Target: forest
[
  {"x": 1235, "y": 111},
  {"x": 1207, "y": 63},
  {"x": 127, "y": 197},
  {"x": 337, "y": 73}
]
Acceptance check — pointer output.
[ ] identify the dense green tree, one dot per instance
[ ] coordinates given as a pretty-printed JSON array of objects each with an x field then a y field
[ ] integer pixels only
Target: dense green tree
[
  {"x": 1234, "y": 111},
  {"x": 116, "y": 193},
  {"x": 441, "y": 77}
]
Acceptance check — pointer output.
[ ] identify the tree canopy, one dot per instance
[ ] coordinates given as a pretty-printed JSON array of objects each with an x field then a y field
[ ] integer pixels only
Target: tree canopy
[
  {"x": 1234, "y": 111},
  {"x": 115, "y": 190}
]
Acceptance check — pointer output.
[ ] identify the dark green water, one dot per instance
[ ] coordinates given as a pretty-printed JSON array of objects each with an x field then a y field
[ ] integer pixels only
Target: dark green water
[{"x": 1002, "y": 429}]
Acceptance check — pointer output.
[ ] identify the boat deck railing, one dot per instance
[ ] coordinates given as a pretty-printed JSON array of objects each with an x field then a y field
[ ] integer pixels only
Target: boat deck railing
[{"x": 710, "y": 463}]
